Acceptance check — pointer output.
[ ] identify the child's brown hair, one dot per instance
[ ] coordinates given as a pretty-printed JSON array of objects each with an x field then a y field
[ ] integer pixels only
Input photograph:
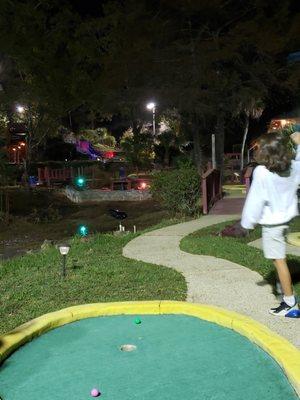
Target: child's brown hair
[{"x": 274, "y": 153}]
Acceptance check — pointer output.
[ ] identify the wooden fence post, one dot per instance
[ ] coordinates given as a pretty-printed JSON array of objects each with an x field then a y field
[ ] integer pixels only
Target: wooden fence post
[
  {"x": 40, "y": 178},
  {"x": 204, "y": 195},
  {"x": 47, "y": 176}
]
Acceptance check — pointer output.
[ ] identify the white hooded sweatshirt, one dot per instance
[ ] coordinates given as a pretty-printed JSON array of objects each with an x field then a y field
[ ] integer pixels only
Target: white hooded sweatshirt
[{"x": 272, "y": 199}]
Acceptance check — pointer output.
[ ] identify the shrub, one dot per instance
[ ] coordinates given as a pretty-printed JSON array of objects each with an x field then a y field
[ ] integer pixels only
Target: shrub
[
  {"x": 178, "y": 190},
  {"x": 286, "y": 132},
  {"x": 47, "y": 215}
]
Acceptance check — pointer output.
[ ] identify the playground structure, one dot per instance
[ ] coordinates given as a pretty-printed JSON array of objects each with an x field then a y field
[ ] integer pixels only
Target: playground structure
[{"x": 100, "y": 152}]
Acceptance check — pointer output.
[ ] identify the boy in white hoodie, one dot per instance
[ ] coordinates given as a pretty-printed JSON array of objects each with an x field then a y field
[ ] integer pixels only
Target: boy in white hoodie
[{"x": 272, "y": 202}]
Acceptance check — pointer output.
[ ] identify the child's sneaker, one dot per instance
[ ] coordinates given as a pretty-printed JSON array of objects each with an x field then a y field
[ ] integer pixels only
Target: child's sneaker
[{"x": 283, "y": 309}]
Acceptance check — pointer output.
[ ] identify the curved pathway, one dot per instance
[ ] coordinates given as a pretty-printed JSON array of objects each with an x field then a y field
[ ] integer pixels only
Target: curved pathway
[{"x": 212, "y": 280}]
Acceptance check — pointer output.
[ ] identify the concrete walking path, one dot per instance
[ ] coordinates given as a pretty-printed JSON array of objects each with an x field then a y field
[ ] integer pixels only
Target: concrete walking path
[{"x": 212, "y": 280}]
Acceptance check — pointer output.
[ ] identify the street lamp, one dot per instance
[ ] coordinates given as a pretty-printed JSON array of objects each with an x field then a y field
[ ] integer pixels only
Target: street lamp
[
  {"x": 152, "y": 106},
  {"x": 64, "y": 250},
  {"x": 20, "y": 109}
]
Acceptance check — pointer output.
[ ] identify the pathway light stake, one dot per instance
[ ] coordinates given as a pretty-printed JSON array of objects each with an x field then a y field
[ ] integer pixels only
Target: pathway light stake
[{"x": 64, "y": 250}]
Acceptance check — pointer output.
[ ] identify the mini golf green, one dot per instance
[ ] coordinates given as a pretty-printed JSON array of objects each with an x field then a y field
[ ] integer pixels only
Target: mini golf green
[{"x": 176, "y": 357}]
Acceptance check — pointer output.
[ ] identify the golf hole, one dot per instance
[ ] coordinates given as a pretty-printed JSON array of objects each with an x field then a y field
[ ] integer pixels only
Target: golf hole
[{"x": 128, "y": 347}]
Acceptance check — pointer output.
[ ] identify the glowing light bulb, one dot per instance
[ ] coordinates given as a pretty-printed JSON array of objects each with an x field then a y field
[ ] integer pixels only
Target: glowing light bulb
[
  {"x": 80, "y": 182},
  {"x": 83, "y": 230}
]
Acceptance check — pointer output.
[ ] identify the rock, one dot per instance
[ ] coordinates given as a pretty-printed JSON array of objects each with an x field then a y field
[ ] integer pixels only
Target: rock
[
  {"x": 121, "y": 233},
  {"x": 46, "y": 244}
]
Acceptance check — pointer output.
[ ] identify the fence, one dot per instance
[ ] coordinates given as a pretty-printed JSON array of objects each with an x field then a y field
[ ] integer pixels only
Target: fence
[
  {"x": 211, "y": 189},
  {"x": 49, "y": 175}
]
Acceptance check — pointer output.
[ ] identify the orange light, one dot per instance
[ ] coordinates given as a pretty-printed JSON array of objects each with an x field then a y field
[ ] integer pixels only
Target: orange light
[
  {"x": 14, "y": 149},
  {"x": 142, "y": 186},
  {"x": 283, "y": 122},
  {"x": 22, "y": 144},
  {"x": 19, "y": 147}
]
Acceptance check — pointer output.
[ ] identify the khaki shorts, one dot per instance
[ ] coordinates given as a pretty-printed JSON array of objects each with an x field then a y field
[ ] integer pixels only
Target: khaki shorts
[{"x": 274, "y": 241}]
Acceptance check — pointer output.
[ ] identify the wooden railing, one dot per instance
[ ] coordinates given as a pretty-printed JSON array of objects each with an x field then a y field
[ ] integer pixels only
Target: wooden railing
[
  {"x": 211, "y": 189},
  {"x": 48, "y": 175}
]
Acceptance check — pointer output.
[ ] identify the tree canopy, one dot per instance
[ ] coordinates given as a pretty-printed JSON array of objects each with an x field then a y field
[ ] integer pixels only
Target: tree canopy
[{"x": 208, "y": 60}]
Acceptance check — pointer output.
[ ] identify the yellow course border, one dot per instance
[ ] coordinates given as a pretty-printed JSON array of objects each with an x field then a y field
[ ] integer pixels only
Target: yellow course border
[
  {"x": 286, "y": 355},
  {"x": 234, "y": 187}
]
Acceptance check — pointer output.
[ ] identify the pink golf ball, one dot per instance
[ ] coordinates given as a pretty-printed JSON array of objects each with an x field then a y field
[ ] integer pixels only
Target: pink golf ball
[{"x": 95, "y": 392}]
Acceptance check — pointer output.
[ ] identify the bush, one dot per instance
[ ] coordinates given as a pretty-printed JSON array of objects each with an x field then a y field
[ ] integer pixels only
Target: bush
[
  {"x": 47, "y": 215},
  {"x": 178, "y": 190}
]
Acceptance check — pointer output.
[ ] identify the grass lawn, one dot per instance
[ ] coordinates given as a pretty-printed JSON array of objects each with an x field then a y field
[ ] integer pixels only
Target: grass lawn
[
  {"x": 97, "y": 272},
  {"x": 207, "y": 242}
]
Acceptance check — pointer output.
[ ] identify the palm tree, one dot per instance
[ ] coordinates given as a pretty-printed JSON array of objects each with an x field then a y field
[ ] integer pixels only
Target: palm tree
[{"x": 252, "y": 108}]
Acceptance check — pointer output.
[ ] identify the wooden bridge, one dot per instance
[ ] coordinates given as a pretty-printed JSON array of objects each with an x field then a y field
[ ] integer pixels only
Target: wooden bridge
[{"x": 223, "y": 200}]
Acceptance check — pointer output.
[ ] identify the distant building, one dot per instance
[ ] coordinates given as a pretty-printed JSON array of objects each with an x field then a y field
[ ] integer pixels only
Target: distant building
[
  {"x": 16, "y": 143},
  {"x": 282, "y": 121}
]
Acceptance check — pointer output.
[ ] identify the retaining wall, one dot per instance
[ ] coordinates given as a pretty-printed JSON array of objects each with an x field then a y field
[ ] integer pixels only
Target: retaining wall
[{"x": 106, "y": 195}]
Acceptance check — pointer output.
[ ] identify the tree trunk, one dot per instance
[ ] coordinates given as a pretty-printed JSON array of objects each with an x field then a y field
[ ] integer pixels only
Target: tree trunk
[
  {"x": 167, "y": 156},
  {"x": 246, "y": 129},
  {"x": 6, "y": 208},
  {"x": 220, "y": 136},
  {"x": 197, "y": 153}
]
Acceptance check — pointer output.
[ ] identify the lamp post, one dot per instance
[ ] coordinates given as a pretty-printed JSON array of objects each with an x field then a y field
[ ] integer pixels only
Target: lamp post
[
  {"x": 152, "y": 106},
  {"x": 20, "y": 109},
  {"x": 213, "y": 150},
  {"x": 64, "y": 250}
]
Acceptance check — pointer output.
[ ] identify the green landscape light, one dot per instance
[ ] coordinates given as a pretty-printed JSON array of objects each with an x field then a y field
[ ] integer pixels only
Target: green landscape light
[
  {"x": 80, "y": 182},
  {"x": 83, "y": 230}
]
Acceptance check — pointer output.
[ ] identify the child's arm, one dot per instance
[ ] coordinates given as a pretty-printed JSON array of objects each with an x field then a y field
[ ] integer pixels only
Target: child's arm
[{"x": 255, "y": 200}]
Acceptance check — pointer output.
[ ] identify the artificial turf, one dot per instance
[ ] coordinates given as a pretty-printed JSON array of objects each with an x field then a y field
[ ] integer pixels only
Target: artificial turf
[{"x": 176, "y": 357}]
